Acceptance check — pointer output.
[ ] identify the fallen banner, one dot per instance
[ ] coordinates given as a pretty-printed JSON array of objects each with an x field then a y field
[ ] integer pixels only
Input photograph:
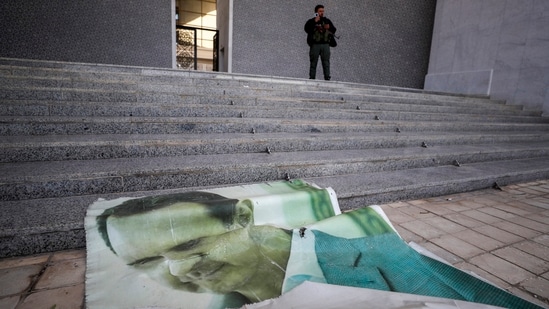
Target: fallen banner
[{"x": 236, "y": 246}]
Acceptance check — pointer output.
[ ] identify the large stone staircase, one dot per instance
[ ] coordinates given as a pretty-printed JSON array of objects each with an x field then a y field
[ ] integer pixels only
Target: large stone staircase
[{"x": 72, "y": 133}]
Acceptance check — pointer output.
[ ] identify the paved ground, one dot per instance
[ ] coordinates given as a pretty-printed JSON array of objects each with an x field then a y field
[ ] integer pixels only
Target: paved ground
[{"x": 502, "y": 236}]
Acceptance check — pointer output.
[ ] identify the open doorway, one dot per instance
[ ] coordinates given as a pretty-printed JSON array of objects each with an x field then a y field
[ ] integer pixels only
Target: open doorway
[{"x": 196, "y": 35}]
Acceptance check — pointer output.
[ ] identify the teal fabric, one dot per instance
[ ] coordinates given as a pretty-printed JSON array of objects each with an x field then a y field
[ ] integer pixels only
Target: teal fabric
[{"x": 386, "y": 262}]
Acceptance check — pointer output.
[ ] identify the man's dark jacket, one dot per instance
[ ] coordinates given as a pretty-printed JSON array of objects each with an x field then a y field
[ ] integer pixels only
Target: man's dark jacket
[{"x": 311, "y": 27}]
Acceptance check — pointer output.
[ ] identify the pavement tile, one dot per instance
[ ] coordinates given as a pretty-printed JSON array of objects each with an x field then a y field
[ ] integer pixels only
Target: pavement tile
[
  {"x": 500, "y": 268},
  {"x": 469, "y": 204},
  {"x": 516, "y": 229},
  {"x": 534, "y": 248},
  {"x": 68, "y": 255},
  {"x": 542, "y": 189},
  {"x": 463, "y": 196},
  {"x": 530, "y": 191},
  {"x": 423, "y": 229},
  {"x": 498, "y": 234},
  {"x": 484, "y": 200},
  {"x": 506, "y": 197},
  {"x": 481, "y": 216},
  {"x": 542, "y": 217},
  {"x": 525, "y": 206},
  {"x": 416, "y": 212},
  {"x": 543, "y": 202},
  {"x": 515, "y": 190},
  {"x": 396, "y": 215},
  {"x": 542, "y": 239},
  {"x": 515, "y": 210},
  {"x": 528, "y": 296},
  {"x": 18, "y": 279},
  {"x": 418, "y": 202},
  {"x": 532, "y": 224},
  {"x": 455, "y": 207},
  {"x": 440, "y": 252},
  {"x": 437, "y": 199},
  {"x": 444, "y": 224},
  {"x": 493, "y": 211},
  {"x": 63, "y": 273},
  {"x": 457, "y": 246},
  {"x": 408, "y": 236},
  {"x": 538, "y": 286},
  {"x": 520, "y": 258},
  {"x": 437, "y": 208},
  {"x": 71, "y": 297},
  {"x": 9, "y": 302},
  {"x": 484, "y": 242},
  {"x": 23, "y": 261},
  {"x": 464, "y": 220},
  {"x": 533, "y": 202}
]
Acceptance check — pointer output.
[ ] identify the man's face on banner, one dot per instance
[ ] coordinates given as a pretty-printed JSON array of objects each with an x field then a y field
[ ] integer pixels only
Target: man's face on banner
[{"x": 183, "y": 246}]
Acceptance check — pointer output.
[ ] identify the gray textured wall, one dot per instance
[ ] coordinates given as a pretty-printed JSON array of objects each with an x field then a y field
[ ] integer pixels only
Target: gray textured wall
[
  {"x": 494, "y": 47},
  {"x": 381, "y": 42},
  {"x": 134, "y": 32}
]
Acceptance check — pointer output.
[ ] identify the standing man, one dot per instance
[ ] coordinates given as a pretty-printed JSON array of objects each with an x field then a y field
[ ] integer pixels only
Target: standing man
[{"x": 319, "y": 29}]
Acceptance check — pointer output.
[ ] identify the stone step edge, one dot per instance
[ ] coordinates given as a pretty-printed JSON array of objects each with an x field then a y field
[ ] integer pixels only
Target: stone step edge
[
  {"x": 273, "y": 104},
  {"x": 220, "y": 75},
  {"x": 49, "y": 106},
  {"x": 377, "y": 188},
  {"x": 250, "y": 121},
  {"x": 273, "y": 139},
  {"x": 353, "y": 191},
  {"x": 61, "y": 182},
  {"x": 144, "y": 95},
  {"x": 439, "y": 155},
  {"x": 14, "y": 125},
  {"x": 72, "y": 147}
]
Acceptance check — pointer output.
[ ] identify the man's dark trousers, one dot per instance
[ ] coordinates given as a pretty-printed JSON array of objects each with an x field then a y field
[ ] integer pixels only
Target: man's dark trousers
[{"x": 322, "y": 50}]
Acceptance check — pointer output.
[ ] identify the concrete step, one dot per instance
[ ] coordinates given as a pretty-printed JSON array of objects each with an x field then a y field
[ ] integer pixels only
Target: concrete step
[
  {"x": 58, "y": 125},
  {"x": 71, "y": 133},
  {"x": 81, "y": 71},
  {"x": 82, "y": 76},
  {"x": 28, "y": 180},
  {"x": 358, "y": 190},
  {"x": 264, "y": 108},
  {"x": 242, "y": 96},
  {"x": 45, "y": 225},
  {"x": 93, "y": 147},
  {"x": 29, "y": 89}
]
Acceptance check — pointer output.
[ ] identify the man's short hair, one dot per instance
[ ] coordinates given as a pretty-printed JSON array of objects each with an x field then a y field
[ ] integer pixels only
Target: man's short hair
[
  {"x": 320, "y": 6},
  {"x": 218, "y": 206}
]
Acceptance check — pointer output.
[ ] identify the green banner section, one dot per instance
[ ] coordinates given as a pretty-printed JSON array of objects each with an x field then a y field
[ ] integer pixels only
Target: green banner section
[{"x": 227, "y": 247}]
